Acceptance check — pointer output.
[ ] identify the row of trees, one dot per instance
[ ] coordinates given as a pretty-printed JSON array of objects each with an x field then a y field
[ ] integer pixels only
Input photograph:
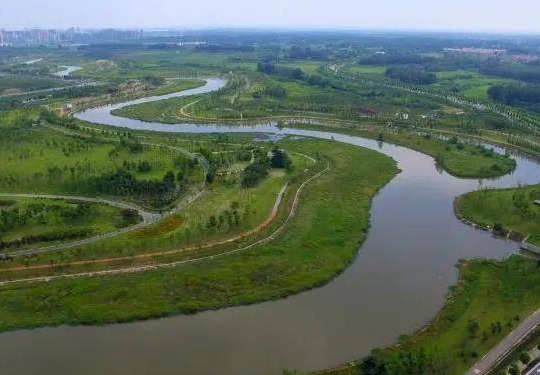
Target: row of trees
[
  {"x": 40, "y": 213},
  {"x": 520, "y": 72},
  {"x": 57, "y": 235},
  {"x": 527, "y": 96}
]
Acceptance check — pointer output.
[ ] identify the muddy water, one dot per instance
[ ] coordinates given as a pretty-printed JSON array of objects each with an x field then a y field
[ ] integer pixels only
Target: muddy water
[{"x": 396, "y": 284}]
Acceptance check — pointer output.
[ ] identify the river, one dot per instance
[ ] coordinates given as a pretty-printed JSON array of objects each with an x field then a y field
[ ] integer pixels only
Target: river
[{"x": 395, "y": 286}]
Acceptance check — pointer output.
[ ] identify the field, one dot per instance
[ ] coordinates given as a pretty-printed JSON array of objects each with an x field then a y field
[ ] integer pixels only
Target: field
[
  {"x": 26, "y": 222},
  {"x": 46, "y": 161},
  {"x": 16, "y": 84},
  {"x": 507, "y": 210},
  {"x": 470, "y": 84}
]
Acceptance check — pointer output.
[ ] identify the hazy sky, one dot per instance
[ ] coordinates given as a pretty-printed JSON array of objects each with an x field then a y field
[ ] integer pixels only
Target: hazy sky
[{"x": 482, "y": 15}]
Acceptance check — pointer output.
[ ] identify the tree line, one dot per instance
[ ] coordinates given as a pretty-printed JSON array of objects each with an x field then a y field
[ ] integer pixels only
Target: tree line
[{"x": 412, "y": 74}]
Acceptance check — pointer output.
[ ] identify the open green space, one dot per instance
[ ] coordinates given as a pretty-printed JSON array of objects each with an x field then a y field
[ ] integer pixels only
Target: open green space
[
  {"x": 41, "y": 160},
  {"x": 322, "y": 239},
  {"x": 504, "y": 210},
  {"x": 468, "y": 83},
  {"x": 29, "y": 222},
  {"x": 458, "y": 157},
  {"x": 18, "y": 84}
]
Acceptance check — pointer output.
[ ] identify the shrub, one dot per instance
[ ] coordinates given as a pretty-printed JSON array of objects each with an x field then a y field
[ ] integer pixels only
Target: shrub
[{"x": 524, "y": 357}]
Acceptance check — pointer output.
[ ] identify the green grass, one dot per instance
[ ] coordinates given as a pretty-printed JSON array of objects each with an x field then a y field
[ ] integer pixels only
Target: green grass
[
  {"x": 310, "y": 253},
  {"x": 489, "y": 293},
  {"x": 41, "y": 160},
  {"x": 45, "y": 216},
  {"x": 514, "y": 209},
  {"x": 18, "y": 84},
  {"x": 461, "y": 159},
  {"x": 470, "y": 84},
  {"x": 178, "y": 85},
  {"x": 365, "y": 69}
]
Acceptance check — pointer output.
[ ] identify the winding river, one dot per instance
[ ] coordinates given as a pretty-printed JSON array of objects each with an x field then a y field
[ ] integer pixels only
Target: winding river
[{"x": 396, "y": 285}]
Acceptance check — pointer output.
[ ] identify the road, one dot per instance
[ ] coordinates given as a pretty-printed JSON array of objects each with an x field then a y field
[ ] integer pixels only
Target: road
[
  {"x": 147, "y": 219},
  {"x": 505, "y": 347},
  {"x": 535, "y": 370},
  {"x": 52, "y": 89}
]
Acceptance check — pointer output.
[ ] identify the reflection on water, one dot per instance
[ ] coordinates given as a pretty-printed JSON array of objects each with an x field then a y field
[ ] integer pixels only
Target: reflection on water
[{"x": 396, "y": 284}]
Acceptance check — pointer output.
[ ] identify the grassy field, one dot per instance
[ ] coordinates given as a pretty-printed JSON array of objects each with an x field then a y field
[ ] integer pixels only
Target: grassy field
[
  {"x": 458, "y": 158},
  {"x": 178, "y": 85},
  {"x": 310, "y": 253},
  {"x": 365, "y": 69},
  {"x": 491, "y": 298},
  {"x": 470, "y": 84},
  {"x": 41, "y": 222},
  {"x": 190, "y": 227},
  {"x": 18, "y": 84},
  {"x": 45, "y": 161},
  {"x": 511, "y": 209}
]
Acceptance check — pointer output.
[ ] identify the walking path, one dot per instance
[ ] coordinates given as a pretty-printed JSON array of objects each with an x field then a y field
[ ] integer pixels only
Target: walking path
[{"x": 143, "y": 268}]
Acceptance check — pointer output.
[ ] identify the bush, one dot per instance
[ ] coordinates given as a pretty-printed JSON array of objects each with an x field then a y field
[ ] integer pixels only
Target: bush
[
  {"x": 524, "y": 357},
  {"x": 514, "y": 369}
]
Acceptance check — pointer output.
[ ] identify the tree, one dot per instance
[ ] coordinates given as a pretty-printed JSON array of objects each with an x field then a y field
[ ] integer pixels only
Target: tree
[
  {"x": 280, "y": 159},
  {"x": 514, "y": 369},
  {"x": 524, "y": 357},
  {"x": 169, "y": 180},
  {"x": 473, "y": 326}
]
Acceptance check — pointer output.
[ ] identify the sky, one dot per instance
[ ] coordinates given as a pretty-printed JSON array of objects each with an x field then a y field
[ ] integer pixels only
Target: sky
[{"x": 515, "y": 16}]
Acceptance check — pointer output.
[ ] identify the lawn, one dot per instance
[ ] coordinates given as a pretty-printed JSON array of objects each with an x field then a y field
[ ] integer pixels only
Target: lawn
[
  {"x": 46, "y": 161},
  {"x": 511, "y": 209},
  {"x": 365, "y": 69}
]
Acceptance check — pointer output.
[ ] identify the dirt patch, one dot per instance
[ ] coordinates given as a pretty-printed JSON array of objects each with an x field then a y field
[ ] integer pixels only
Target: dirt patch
[{"x": 168, "y": 225}]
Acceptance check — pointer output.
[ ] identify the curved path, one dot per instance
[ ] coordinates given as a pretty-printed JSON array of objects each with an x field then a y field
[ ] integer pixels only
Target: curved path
[
  {"x": 147, "y": 219},
  {"x": 405, "y": 266}
]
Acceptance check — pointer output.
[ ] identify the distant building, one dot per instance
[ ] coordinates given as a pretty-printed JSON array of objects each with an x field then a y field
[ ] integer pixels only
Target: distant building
[{"x": 476, "y": 52}]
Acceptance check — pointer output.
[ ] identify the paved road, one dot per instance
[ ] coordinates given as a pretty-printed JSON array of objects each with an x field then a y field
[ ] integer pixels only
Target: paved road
[
  {"x": 502, "y": 349},
  {"x": 535, "y": 370}
]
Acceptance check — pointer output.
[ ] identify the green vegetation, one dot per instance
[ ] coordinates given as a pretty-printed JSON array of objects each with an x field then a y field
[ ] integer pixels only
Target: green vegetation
[
  {"x": 36, "y": 222},
  {"x": 46, "y": 161},
  {"x": 505, "y": 210},
  {"x": 395, "y": 92},
  {"x": 491, "y": 298},
  {"x": 18, "y": 84},
  {"x": 308, "y": 254},
  {"x": 459, "y": 158}
]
